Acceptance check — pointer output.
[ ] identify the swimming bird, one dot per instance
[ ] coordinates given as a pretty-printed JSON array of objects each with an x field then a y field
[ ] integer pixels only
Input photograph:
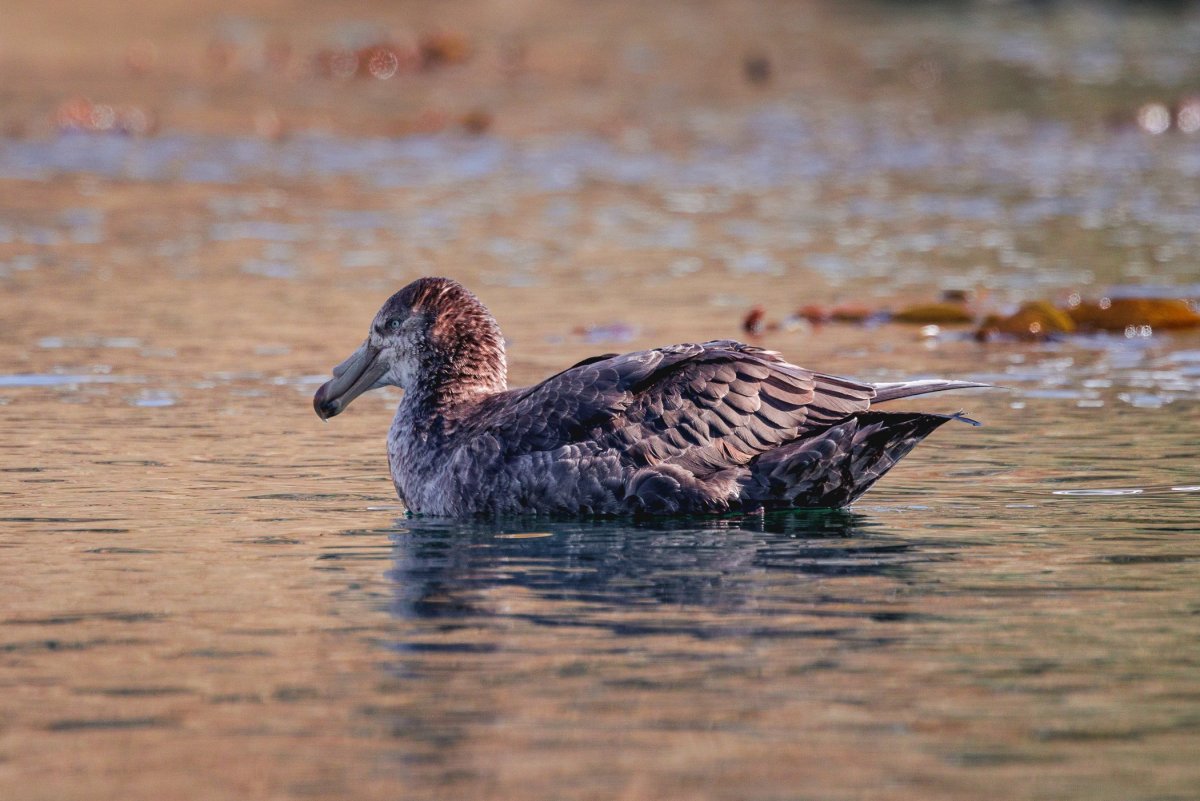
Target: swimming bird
[{"x": 694, "y": 428}]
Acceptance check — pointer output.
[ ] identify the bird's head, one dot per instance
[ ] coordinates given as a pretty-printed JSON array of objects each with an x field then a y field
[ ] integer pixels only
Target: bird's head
[{"x": 432, "y": 336}]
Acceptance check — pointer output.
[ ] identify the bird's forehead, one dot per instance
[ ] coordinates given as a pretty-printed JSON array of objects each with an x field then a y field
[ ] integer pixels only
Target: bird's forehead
[
  {"x": 419, "y": 297},
  {"x": 396, "y": 306}
]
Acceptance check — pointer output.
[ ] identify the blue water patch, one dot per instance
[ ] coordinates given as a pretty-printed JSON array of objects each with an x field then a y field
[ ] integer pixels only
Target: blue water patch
[
  {"x": 154, "y": 398},
  {"x": 64, "y": 379},
  {"x": 779, "y": 153}
]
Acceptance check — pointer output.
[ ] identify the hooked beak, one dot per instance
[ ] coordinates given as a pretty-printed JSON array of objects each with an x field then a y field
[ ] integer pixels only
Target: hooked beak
[{"x": 351, "y": 378}]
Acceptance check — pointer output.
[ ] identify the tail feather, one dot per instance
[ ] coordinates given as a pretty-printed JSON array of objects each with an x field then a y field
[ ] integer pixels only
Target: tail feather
[
  {"x": 835, "y": 467},
  {"x": 907, "y": 389}
]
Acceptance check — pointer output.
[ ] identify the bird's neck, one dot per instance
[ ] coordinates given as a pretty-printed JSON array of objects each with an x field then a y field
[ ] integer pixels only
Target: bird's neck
[{"x": 466, "y": 361}]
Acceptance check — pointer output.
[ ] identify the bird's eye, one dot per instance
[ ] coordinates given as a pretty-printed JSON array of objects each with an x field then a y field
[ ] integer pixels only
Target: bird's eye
[{"x": 393, "y": 324}]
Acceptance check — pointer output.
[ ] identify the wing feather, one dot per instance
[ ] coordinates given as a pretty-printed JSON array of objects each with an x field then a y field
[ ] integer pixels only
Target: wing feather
[
  {"x": 746, "y": 404},
  {"x": 704, "y": 407}
]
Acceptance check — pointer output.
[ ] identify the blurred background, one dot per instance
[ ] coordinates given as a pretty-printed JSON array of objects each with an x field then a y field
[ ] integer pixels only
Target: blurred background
[
  {"x": 723, "y": 152},
  {"x": 206, "y": 593}
]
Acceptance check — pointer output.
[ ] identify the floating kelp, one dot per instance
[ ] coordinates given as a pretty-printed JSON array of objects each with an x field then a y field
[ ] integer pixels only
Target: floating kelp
[
  {"x": 1119, "y": 314},
  {"x": 1035, "y": 320},
  {"x": 445, "y": 47},
  {"x": 854, "y": 313},
  {"x": 847, "y": 313},
  {"x": 935, "y": 313},
  {"x": 754, "y": 323}
]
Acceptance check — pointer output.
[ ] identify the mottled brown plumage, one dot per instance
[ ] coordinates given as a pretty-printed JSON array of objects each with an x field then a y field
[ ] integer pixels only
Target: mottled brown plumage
[{"x": 693, "y": 428}]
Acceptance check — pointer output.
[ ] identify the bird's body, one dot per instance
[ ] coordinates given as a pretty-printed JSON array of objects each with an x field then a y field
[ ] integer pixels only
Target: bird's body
[{"x": 695, "y": 428}]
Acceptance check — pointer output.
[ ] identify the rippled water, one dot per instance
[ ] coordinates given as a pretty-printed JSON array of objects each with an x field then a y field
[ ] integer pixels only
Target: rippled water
[
  {"x": 205, "y": 592},
  {"x": 198, "y": 593}
]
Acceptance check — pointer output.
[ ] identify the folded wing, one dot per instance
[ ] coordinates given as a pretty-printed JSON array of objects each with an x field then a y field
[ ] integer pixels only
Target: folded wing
[{"x": 703, "y": 407}]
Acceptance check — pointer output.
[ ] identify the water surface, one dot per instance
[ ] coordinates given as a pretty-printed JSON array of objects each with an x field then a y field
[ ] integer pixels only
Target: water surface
[{"x": 205, "y": 592}]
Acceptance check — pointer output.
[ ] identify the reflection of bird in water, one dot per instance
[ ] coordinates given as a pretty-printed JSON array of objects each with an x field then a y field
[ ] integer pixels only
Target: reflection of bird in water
[
  {"x": 497, "y": 568},
  {"x": 689, "y": 428}
]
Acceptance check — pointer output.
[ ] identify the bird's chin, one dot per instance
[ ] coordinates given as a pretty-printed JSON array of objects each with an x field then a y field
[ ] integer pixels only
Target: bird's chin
[{"x": 359, "y": 373}]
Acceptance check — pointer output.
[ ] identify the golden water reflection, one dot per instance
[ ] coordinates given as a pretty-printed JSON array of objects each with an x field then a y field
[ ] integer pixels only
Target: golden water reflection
[{"x": 206, "y": 592}]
